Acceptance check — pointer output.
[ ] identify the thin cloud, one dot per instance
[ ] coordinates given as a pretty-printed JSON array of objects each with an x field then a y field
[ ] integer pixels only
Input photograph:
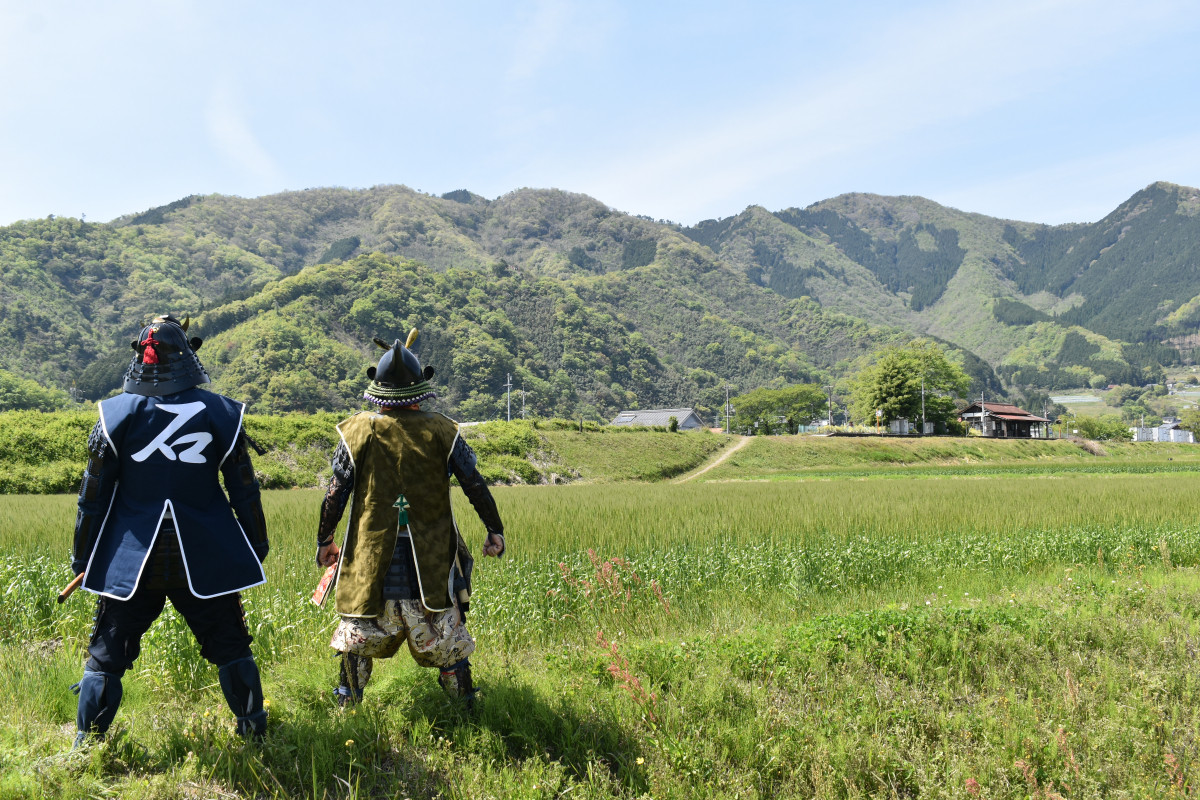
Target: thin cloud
[
  {"x": 929, "y": 70},
  {"x": 539, "y": 39},
  {"x": 235, "y": 140},
  {"x": 1082, "y": 189},
  {"x": 553, "y": 31}
]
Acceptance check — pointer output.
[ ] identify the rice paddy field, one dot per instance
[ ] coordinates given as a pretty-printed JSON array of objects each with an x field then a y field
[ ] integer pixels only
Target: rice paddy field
[{"x": 1003, "y": 624}]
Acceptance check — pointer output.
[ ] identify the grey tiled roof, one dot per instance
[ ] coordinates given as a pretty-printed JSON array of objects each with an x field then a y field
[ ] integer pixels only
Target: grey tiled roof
[{"x": 656, "y": 416}]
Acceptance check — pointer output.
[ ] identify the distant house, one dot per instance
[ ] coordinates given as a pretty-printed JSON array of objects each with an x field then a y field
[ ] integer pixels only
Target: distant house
[
  {"x": 1004, "y": 421},
  {"x": 688, "y": 419},
  {"x": 1168, "y": 431}
]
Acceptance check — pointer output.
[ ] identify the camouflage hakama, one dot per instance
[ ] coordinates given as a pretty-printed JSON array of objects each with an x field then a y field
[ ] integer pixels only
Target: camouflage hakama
[{"x": 435, "y": 638}]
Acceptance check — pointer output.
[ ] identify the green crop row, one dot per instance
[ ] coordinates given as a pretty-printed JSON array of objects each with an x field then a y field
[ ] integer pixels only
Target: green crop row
[{"x": 1011, "y": 637}]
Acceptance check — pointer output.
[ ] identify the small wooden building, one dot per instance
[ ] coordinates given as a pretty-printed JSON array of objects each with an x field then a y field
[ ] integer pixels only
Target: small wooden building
[
  {"x": 688, "y": 419},
  {"x": 1004, "y": 421}
]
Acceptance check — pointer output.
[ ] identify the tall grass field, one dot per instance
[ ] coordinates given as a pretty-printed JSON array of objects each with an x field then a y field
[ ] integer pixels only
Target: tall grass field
[{"x": 937, "y": 635}]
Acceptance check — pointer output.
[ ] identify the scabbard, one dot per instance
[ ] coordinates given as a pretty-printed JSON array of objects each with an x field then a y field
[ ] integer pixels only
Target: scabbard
[
  {"x": 71, "y": 587},
  {"x": 318, "y": 596}
]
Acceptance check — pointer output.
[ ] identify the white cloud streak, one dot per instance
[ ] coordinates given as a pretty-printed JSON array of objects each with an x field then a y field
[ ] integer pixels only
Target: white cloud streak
[
  {"x": 555, "y": 31},
  {"x": 1082, "y": 189},
  {"x": 234, "y": 139},
  {"x": 945, "y": 66},
  {"x": 539, "y": 39}
]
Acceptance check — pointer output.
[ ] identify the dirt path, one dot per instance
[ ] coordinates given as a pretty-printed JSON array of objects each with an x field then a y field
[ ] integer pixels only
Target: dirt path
[{"x": 741, "y": 442}]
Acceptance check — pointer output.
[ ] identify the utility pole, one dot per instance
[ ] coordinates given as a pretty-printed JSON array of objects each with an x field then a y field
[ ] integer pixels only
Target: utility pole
[
  {"x": 522, "y": 399},
  {"x": 922, "y": 405},
  {"x": 509, "y": 385},
  {"x": 830, "y": 388},
  {"x": 726, "y": 408}
]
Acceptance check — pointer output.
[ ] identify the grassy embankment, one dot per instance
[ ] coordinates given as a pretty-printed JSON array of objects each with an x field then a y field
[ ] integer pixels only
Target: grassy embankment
[
  {"x": 1000, "y": 638},
  {"x": 45, "y": 453},
  {"x": 792, "y": 458}
]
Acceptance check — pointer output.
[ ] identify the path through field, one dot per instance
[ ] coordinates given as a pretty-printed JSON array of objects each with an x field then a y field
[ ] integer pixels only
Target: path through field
[{"x": 741, "y": 442}]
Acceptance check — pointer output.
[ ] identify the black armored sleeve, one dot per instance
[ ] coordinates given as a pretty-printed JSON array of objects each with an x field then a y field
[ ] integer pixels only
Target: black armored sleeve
[
  {"x": 338, "y": 494},
  {"x": 95, "y": 496},
  {"x": 244, "y": 496},
  {"x": 463, "y": 466}
]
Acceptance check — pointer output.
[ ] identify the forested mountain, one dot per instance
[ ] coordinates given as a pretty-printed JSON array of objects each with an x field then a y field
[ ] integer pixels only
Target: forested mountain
[
  {"x": 590, "y": 309},
  {"x": 1050, "y": 306},
  {"x": 574, "y": 347}
]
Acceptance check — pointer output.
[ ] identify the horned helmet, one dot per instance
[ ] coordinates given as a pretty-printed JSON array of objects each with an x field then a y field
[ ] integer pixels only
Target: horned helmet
[
  {"x": 165, "y": 359},
  {"x": 399, "y": 379}
]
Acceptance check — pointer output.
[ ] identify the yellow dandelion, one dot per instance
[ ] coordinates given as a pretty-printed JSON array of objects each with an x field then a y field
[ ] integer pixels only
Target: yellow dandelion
[
  {"x": 641, "y": 760},
  {"x": 266, "y": 703},
  {"x": 349, "y": 743}
]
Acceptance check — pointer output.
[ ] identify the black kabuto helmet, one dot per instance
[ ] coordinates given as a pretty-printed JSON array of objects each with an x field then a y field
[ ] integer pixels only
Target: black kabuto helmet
[
  {"x": 398, "y": 379},
  {"x": 166, "y": 359}
]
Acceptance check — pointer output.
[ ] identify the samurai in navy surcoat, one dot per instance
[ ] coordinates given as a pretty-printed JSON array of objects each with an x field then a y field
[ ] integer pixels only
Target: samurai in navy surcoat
[
  {"x": 154, "y": 524},
  {"x": 167, "y": 452}
]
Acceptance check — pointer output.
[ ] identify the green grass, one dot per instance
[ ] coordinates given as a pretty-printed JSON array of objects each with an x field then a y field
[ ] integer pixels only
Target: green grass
[
  {"x": 843, "y": 638},
  {"x": 792, "y": 457},
  {"x": 45, "y": 453},
  {"x": 633, "y": 455}
]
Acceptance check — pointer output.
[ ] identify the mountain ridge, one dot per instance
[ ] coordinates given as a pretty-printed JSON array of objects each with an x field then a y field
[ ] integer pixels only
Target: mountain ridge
[{"x": 760, "y": 298}]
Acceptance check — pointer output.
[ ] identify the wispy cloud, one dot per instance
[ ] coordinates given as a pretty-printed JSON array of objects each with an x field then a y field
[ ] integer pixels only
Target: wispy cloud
[
  {"x": 554, "y": 30},
  {"x": 669, "y": 109},
  {"x": 926, "y": 71},
  {"x": 234, "y": 138},
  {"x": 538, "y": 39},
  {"x": 1081, "y": 189}
]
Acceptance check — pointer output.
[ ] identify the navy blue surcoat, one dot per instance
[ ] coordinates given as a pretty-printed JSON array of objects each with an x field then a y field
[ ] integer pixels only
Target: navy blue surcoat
[{"x": 170, "y": 451}]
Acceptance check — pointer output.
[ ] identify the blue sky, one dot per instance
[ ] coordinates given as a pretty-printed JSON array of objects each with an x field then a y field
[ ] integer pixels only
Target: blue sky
[{"x": 1041, "y": 111}]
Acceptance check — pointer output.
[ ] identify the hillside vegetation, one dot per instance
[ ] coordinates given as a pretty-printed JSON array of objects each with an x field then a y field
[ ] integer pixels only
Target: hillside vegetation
[
  {"x": 590, "y": 309},
  {"x": 1124, "y": 285}
]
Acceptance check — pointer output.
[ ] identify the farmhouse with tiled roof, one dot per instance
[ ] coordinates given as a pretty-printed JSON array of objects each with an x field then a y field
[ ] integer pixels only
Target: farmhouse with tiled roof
[
  {"x": 688, "y": 419},
  {"x": 1004, "y": 421}
]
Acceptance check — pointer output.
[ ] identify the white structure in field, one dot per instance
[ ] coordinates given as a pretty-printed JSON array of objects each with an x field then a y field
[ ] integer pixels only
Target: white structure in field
[{"x": 1169, "y": 431}]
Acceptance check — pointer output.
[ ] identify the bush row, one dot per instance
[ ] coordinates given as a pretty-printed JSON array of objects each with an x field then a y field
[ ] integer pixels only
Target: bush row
[{"x": 46, "y": 452}]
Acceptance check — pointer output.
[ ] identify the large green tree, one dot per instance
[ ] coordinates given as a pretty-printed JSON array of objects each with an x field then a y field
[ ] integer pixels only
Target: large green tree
[
  {"x": 901, "y": 376},
  {"x": 778, "y": 410}
]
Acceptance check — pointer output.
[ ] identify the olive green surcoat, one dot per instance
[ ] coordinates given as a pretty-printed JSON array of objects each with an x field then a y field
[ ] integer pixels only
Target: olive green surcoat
[{"x": 397, "y": 453}]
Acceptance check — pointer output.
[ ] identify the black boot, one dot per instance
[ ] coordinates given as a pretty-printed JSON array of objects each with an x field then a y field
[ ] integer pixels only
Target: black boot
[
  {"x": 99, "y": 697},
  {"x": 356, "y": 672},
  {"x": 456, "y": 682},
  {"x": 242, "y": 687}
]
